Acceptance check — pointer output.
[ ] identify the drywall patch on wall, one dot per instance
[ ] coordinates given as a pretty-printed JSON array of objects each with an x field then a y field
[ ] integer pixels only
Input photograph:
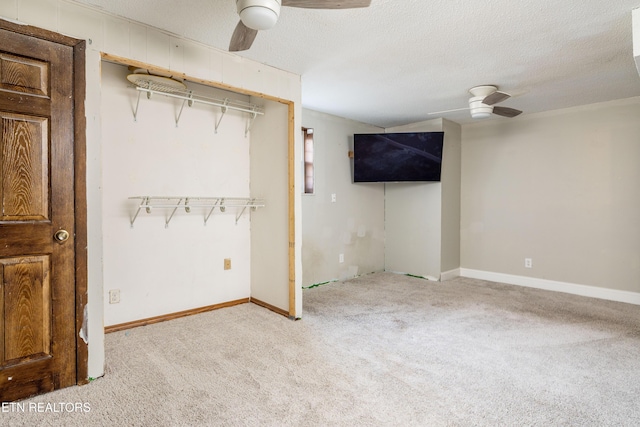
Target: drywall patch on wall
[{"x": 353, "y": 225}]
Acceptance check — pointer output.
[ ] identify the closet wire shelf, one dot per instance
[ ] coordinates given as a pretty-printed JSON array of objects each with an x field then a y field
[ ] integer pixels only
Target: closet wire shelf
[
  {"x": 148, "y": 203},
  {"x": 188, "y": 97}
]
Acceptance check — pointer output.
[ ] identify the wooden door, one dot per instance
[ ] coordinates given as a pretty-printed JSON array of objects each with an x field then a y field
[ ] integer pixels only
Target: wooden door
[{"x": 37, "y": 277}]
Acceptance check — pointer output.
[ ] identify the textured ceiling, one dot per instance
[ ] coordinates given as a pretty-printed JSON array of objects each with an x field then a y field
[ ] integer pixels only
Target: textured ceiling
[{"x": 396, "y": 61}]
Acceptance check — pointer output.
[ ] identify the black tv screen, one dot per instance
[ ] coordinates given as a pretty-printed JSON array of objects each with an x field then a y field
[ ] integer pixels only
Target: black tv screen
[{"x": 397, "y": 157}]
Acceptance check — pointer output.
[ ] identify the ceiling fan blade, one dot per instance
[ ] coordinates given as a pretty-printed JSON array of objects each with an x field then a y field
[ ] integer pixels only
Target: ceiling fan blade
[
  {"x": 327, "y": 4},
  {"x": 506, "y": 111},
  {"x": 447, "y": 111},
  {"x": 495, "y": 97},
  {"x": 242, "y": 38}
]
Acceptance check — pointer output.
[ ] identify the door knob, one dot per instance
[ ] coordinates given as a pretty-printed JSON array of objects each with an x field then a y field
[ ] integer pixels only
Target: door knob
[{"x": 61, "y": 236}]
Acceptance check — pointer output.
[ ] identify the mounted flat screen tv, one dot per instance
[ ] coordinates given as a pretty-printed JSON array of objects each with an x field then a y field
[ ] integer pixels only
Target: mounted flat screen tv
[{"x": 397, "y": 157}]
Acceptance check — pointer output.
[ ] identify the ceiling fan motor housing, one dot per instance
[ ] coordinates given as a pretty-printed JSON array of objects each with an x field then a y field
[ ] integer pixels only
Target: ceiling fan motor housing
[
  {"x": 479, "y": 110},
  {"x": 259, "y": 14}
]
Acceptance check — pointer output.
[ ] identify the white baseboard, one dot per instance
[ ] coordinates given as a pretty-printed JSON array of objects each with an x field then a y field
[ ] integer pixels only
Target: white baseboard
[
  {"x": 451, "y": 274},
  {"x": 552, "y": 285}
]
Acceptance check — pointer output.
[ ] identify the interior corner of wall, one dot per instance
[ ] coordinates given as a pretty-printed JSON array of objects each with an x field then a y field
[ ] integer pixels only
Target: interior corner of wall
[{"x": 636, "y": 36}]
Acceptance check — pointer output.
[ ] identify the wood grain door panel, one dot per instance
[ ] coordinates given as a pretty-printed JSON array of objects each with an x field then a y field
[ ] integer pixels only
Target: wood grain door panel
[
  {"x": 37, "y": 274},
  {"x": 22, "y": 74},
  {"x": 25, "y": 303},
  {"x": 24, "y": 168}
]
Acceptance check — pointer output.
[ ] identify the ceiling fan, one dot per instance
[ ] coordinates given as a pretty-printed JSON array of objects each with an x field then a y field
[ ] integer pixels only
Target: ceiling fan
[
  {"x": 258, "y": 15},
  {"x": 482, "y": 103}
]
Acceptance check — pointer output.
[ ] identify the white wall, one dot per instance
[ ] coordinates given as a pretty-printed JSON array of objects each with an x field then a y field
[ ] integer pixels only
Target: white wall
[
  {"x": 162, "y": 270},
  {"x": 354, "y": 224},
  {"x": 422, "y": 219},
  {"x": 451, "y": 188},
  {"x": 270, "y": 225},
  {"x": 395, "y": 227},
  {"x": 118, "y": 36},
  {"x": 413, "y": 228},
  {"x": 560, "y": 188}
]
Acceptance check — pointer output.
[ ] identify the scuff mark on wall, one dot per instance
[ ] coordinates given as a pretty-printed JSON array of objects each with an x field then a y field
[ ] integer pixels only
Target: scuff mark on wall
[
  {"x": 353, "y": 225},
  {"x": 346, "y": 238}
]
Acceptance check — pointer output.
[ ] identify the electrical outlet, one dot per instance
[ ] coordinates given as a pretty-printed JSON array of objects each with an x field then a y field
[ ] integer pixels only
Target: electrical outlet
[
  {"x": 528, "y": 263},
  {"x": 333, "y": 197},
  {"x": 114, "y": 296},
  {"x": 227, "y": 263},
  {"x": 341, "y": 258}
]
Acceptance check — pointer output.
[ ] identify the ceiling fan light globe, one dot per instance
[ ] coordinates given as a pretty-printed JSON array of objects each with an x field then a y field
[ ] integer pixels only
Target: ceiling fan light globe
[
  {"x": 258, "y": 18},
  {"x": 480, "y": 114},
  {"x": 259, "y": 14}
]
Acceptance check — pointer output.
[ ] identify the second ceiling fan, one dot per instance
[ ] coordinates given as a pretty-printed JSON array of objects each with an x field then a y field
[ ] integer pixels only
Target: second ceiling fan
[
  {"x": 258, "y": 15},
  {"x": 482, "y": 103}
]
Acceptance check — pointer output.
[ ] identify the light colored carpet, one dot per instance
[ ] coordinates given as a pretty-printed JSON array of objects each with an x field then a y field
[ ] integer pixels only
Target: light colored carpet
[{"x": 382, "y": 349}]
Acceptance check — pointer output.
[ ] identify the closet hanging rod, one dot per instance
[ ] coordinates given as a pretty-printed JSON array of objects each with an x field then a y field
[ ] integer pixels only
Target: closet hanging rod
[{"x": 216, "y": 103}]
